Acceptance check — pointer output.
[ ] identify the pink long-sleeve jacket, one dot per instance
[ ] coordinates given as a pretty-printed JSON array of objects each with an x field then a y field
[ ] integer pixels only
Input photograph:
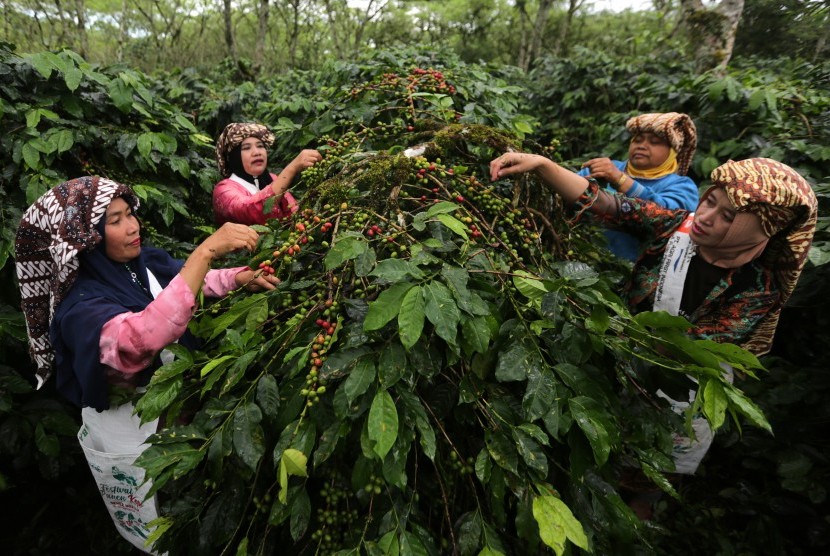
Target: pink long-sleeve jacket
[
  {"x": 130, "y": 341},
  {"x": 234, "y": 202}
]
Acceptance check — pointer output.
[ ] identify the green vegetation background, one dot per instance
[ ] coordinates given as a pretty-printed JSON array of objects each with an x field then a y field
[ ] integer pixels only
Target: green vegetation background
[{"x": 63, "y": 116}]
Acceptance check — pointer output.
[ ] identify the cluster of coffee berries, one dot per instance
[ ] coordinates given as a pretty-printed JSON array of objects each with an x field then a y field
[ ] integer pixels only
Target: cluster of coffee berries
[
  {"x": 334, "y": 152},
  {"x": 463, "y": 467},
  {"x": 334, "y": 520}
]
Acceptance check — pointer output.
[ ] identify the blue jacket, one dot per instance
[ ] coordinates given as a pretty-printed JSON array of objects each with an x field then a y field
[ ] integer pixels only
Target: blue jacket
[{"x": 672, "y": 191}]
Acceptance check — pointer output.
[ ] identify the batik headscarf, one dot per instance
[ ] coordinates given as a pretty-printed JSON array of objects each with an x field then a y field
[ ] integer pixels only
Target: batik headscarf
[
  {"x": 52, "y": 232},
  {"x": 676, "y": 128},
  {"x": 232, "y": 137},
  {"x": 787, "y": 209}
]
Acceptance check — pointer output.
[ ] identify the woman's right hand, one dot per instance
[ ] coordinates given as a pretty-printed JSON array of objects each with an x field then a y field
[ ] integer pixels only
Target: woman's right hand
[
  {"x": 559, "y": 180},
  {"x": 306, "y": 159},
  {"x": 230, "y": 237},
  {"x": 515, "y": 163}
]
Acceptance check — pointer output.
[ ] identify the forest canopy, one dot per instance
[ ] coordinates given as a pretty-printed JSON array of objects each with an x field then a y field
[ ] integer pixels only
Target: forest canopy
[{"x": 266, "y": 36}]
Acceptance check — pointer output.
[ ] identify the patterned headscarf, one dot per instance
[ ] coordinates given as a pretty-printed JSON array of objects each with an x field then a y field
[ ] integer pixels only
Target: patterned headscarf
[
  {"x": 788, "y": 209},
  {"x": 676, "y": 128},
  {"x": 52, "y": 232},
  {"x": 233, "y": 135}
]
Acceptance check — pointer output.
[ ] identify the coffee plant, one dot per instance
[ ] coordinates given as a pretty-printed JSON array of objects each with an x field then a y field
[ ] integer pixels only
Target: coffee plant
[{"x": 436, "y": 372}]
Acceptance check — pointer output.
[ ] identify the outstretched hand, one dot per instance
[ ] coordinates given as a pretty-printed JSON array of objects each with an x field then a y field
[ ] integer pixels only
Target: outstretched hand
[
  {"x": 559, "y": 180},
  {"x": 306, "y": 159},
  {"x": 512, "y": 163},
  {"x": 230, "y": 237}
]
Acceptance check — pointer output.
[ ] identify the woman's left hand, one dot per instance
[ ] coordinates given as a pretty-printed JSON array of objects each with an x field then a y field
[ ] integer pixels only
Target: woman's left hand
[
  {"x": 603, "y": 169},
  {"x": 257, "y": 280}
]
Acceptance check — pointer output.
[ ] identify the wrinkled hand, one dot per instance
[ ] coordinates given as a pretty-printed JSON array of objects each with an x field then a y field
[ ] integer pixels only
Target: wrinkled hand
[
  {"x": 509, "y": 164},
  {"x": 230, "y": 237},
  {"x": 603, "y": 169},
  {"x": 306, "y": 159},
  {"x": 256, "y": 280}
]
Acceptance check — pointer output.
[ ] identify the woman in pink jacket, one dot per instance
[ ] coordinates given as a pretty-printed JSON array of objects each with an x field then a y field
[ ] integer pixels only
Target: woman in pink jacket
[
  {"x": 100, "y": 310},
  {"x": 241, "y": 196}
]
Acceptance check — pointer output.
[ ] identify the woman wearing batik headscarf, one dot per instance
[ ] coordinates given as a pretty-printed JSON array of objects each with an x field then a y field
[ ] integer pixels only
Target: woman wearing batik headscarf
[
  {"x": 100, "y": 308},
  {"x": 247, "y": 184},
  {"x": 659, "y": 155},
  {"x": 728, "y": 267}
]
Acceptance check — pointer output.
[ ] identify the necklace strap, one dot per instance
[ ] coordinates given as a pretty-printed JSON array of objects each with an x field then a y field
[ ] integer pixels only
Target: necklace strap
[{"x": 136, "y": 280}]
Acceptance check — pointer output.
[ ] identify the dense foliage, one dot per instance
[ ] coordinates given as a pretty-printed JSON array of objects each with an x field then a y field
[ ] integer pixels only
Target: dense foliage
[{"x": 446, "y": 365}]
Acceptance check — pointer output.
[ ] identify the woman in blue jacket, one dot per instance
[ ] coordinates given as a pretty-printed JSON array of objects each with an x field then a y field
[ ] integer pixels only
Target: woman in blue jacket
[{"x": 659, "y": 155}]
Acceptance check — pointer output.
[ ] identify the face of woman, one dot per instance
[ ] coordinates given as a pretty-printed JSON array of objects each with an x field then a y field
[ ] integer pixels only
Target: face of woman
[
  {"x": 254, "y": 156},
  {"x": 713, "y": 218},
  {"x": 648, "y": 150},
  {"x": 122, "y": 234}
]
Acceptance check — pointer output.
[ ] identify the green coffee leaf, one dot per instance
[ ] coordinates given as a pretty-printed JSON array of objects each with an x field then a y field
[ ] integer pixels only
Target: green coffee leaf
[
  {"x": 528, "y": 285},
  {"x": 248, "y": 438},
  {"x": 557, "y": 524},
  {"x": 214, "y": 363},
  {"x": 476, "y": 334},
  {"x": 158, "y": 397},
  {"x": 268, "y": 395},
  {"x": 391, "y": 364},
  {"x": 541, "y": 389},
  {"x": 747, "y": 408},
  {"x": 596, "y": 425},
  {"x": 714, "y": 403},
  {"x": 443, "y": 207},
  {"x": 292, "y": 462},
  {"x": 531, "y": 452},
  {"x": 395, "y": 270},
  {"x": 383, "y": 423},
  {"x": 517, "y": 360},
  {"x": 346, "y": 249},
  {"x": 411, "y": 317},
  {"x": 469, "y": 532},
  {"x": 502, "y": 450},
  {"x": 386, "y": 306},
  {"x": 441, "y": 310},
  {"x": 359, "y": 379},
  {"x": 454, "y": 224}
]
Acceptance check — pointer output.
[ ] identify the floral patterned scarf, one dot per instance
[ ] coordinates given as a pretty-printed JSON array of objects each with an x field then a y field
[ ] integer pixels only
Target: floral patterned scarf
[
  {"x": 52, "y": 233},
  {"x": 788, "y": 210}
]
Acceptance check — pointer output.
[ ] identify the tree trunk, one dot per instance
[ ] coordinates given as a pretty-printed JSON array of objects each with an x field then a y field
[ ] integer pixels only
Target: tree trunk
[
  {"x": 523, "y": 58},
  {"x": 229, "y": 42},
  {"x": 262, "y": 34},
  {"x": 563, "y": 41},
  {"x": 294, "y": 34},
  {"x": 373, "y": 10},
  {"x": 80, "y": 13},
  {"x": 123, "y": 36},
  {"x": 712, "y": 31},
  {"x": 538, "y": 33},
  {"x": 339, "y": 49},
  {"x": 821, "y": 43}
]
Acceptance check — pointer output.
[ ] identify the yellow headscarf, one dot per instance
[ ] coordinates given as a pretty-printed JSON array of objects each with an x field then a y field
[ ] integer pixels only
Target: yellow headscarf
[{"x": 668, "y": 167}]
